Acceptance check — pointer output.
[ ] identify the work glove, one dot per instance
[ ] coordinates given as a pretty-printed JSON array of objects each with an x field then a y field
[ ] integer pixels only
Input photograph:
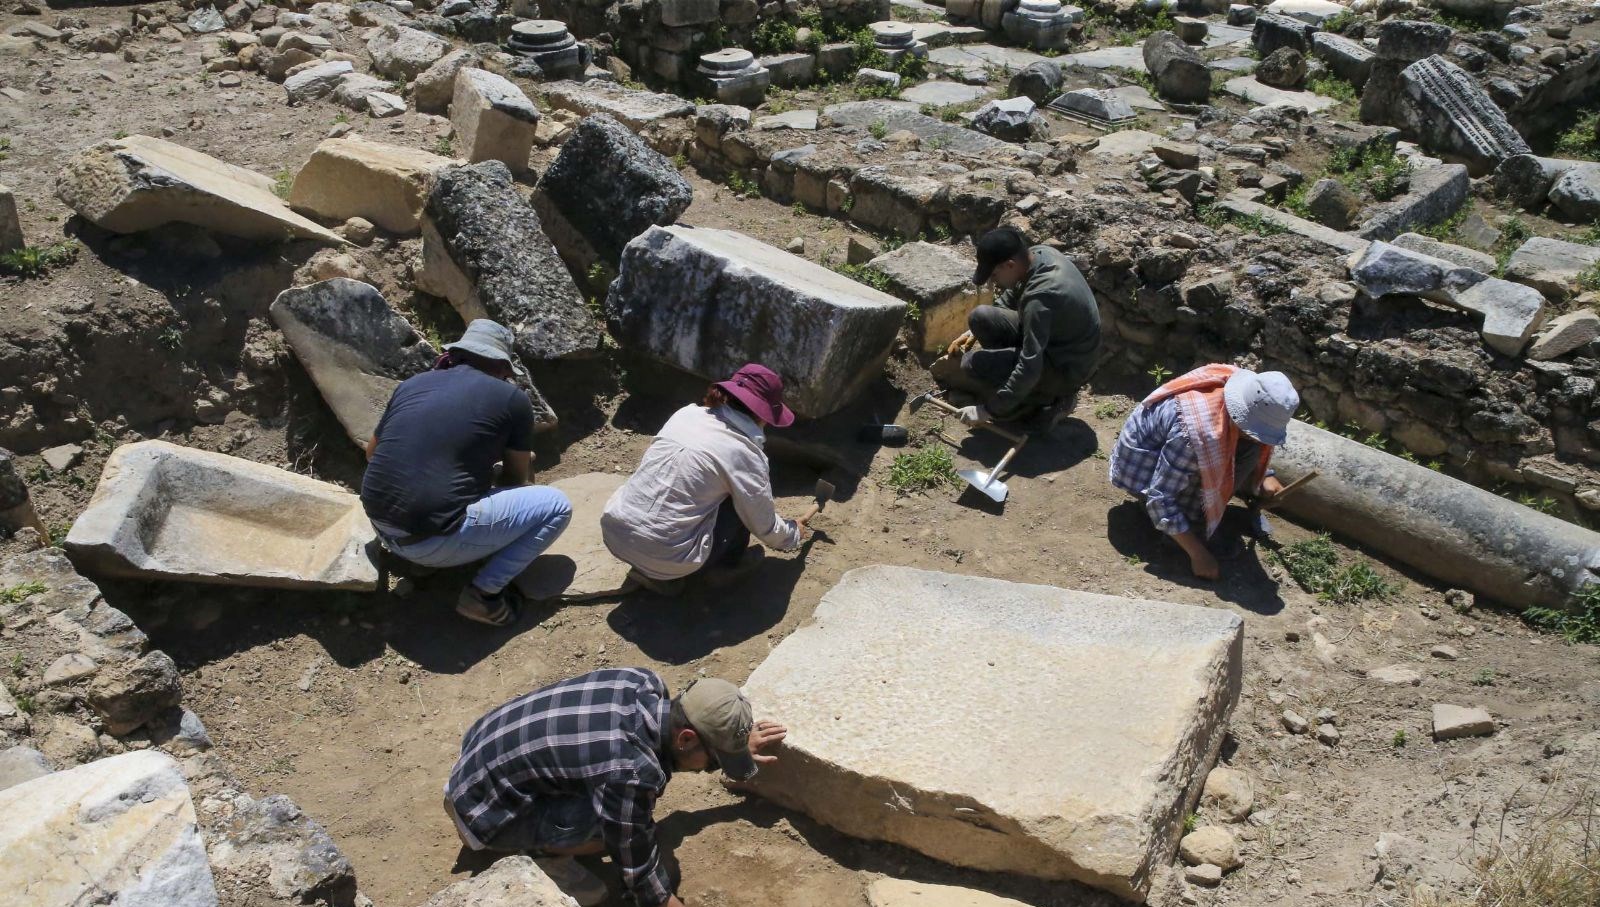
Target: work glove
[{"x": 972, "y": 415}]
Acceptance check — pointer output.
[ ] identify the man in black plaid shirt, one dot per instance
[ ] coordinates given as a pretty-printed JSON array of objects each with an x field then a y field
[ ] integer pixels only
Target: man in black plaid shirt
[{"x": 575, "y": 768}]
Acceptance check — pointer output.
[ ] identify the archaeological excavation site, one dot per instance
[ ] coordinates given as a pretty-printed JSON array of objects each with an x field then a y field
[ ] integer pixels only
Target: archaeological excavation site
[{"x": 799, "y": 453}]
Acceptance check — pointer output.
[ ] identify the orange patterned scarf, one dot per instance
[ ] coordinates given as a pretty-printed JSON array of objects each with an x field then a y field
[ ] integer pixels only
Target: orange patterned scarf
[{"x": 1214, "y": 436}]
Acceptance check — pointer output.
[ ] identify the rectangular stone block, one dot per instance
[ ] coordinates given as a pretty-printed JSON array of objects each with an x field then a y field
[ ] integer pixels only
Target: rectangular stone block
[
  {"x": 709, "y": 301},
  {"x": 355, "y": 347},
  {"x": 1344, "y": 242},
  {"x": 611, "y": 186},
  {"x": 791, "y": 70},
  {"x": 1511, "y": 312},
  {"x": 1001, "y": 726},
  {"x": 352, "y": 177},
  {"x": 138, "y": 183},
  {"x": 1435, "y": 195},
  {"x": 493, "y": 119},
  {"x": 939, "y": 281},
  {"x": 167, "y": 512},
  {"x": 1273, "y": 31},
  {"x": 1345, "y": 58},
  {"x": 689, "y": 12},
  {"x": 119, "y": 831}
]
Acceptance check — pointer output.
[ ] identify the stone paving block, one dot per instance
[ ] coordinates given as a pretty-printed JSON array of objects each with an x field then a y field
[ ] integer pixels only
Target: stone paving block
[
  {"x": 354, "y": 177},
  {"x": 708, "y": 301},
  {"x": 118, "y": 831},
  {"x": 1251, "y": 90},
  {"x": 578, "y": 566},
  {"x": 939, "y": 281},
  {"x": 1311, "y": 12},
  {"x": 1551, "y": 266},
  {"x": 355, "y": 347},
  {"x": 634, "y": 109},
  {"x": 167, "y": 512},
  {"x": 493, "y": 119},
  {"x": 1085, "y": 724},
  {"x": 137, "y": 183},
  {"x": 898, "y": 115}
]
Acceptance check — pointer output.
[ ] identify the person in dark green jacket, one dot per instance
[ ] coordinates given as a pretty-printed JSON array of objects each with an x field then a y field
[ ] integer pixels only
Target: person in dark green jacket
[{"x": 1040, "y": 341}]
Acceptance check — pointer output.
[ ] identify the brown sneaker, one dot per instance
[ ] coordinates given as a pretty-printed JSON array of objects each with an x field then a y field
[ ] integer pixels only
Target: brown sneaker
[{"x": 494, "y": 610}]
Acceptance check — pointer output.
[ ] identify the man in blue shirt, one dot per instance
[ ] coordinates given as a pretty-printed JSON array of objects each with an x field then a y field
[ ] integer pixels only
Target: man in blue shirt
[{"x": 429, "y": 483}]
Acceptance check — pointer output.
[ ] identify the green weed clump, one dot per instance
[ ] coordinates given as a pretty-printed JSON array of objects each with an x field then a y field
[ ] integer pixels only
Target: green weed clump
[
  {"x": 1578, "y": 622},
  {"x": 1316, "y": 566},
  {"x": 13, "y": 594},
  {"x": 922, "y": 469},
  {"x": 33, "y": 261},
  {"x": 1332, "y": 86}
]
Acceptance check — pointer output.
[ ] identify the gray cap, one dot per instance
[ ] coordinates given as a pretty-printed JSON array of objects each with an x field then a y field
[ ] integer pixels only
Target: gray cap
[{"x": 488, "y": 339}]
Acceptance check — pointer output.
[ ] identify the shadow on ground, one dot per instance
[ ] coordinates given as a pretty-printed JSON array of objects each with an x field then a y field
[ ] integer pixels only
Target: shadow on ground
[{"x": 1245, "y": 581}]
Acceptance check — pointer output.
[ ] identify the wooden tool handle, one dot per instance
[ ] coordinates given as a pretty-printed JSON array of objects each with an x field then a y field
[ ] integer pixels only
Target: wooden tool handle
[
  {"x": 1292, "y": 486},
  {"x": 811, "y": 512},
  {"x": 1011, "y": 436},
  {"x": 994, "y": 474}
]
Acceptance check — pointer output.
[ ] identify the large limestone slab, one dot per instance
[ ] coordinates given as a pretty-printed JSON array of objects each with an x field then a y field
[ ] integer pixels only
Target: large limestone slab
[
  {"x": 708, "y": 301},
  {"x": 1058, "y": 734},
  {"x": 635, "y": 109},
  {"x": 485, "y": 250},
  {"x": 138, "y": 183},
  {"x": 353, "y": 177},
  {"x": 1334, "y": 239},
  {"x": 887, "y": 892},
  {"x": 119, "y": 831},
  {"x": 578, "y": 566},
  {"x": 510, "y": 882},
  {"x": 167, "y": 512},
  {"x": 610, "y": 186},
  {"x": 897, "y": 115},
  {"x": 355, "y": 347},
  {"x": 1551, "y": 266}
]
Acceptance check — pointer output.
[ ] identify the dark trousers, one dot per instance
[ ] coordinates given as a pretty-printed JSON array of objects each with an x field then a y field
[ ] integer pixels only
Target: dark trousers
[
  {"x": 729, "y": 537},
  {"x": 999, "y": 332}
]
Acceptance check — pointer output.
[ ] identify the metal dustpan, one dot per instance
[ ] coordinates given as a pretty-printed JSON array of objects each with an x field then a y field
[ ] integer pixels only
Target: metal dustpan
[{"x": 986, "y": 483}]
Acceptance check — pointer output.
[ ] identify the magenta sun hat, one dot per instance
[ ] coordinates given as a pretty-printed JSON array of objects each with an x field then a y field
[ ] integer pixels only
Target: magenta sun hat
[{"x": 760, "y": 389}]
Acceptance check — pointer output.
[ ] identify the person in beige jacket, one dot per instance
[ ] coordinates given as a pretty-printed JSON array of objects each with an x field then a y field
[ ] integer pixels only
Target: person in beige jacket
[{"x": 703, "y": 488}]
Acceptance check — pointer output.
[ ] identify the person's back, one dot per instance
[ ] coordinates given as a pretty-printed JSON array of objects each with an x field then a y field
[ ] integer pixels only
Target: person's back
[
  {"x": 1074, "y": 316},
  {"x": 663, "y": 515},
  {"x": 438, "y": 443}
]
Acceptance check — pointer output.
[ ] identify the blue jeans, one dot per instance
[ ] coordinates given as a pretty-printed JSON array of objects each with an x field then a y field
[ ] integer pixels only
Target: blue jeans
[{"x": 510, "y": 527}]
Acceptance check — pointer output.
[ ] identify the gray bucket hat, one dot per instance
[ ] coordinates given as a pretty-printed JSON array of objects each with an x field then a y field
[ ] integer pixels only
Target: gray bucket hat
[
  {"x": 1261, "y": 405},
  {"x": 489, "y": 339}
]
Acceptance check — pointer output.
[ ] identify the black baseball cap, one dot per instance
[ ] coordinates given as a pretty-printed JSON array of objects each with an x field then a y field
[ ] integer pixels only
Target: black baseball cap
[{"x": 998, "y": 245}]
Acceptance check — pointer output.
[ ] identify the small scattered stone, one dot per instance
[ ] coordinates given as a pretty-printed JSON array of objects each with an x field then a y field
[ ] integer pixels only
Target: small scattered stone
[
  {"x": 62, "y": 458},
  {"x": 1448, "y": 653},
  {"x": 1294, "y": 723},
  {"x": 1328, "y": 734},
  {"x": 1395, "y": 675},
  {"x": 1212, "y": 844},
  {"x": 1208, "y": 875},
  {"x": 796, "y": 246},
  {"x": 1453, "y": 721}
]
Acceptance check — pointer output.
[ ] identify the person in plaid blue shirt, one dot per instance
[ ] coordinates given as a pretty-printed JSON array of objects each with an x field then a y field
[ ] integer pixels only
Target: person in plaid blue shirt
[
  {"x": 575, "y": 768},
  {"x": 1197, "y": 441}
]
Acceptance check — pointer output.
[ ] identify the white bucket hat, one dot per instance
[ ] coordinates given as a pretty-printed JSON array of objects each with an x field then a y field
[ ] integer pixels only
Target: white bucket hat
[{"x": 1261, "y": 405}]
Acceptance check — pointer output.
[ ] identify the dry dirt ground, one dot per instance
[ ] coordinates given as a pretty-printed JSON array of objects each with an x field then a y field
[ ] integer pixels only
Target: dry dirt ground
[{"x": 354, "y": 705}]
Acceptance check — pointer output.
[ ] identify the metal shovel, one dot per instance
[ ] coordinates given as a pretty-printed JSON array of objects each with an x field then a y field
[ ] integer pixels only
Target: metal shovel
[{"x": 989, "y": 482}]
